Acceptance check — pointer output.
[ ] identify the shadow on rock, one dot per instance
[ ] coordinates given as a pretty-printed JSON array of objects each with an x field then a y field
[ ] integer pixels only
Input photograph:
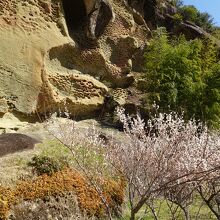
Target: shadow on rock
[{"x": 11, "y": 143}]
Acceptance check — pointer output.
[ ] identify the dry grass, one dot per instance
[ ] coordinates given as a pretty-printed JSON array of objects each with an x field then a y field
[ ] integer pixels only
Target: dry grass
[{"x": 67, "y": 180}]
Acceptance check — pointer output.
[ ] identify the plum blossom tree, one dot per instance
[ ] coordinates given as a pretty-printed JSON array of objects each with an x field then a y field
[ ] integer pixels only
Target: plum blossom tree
[
  {"x": 164, "y": 157},
  {"x": 163, "y": 154}
]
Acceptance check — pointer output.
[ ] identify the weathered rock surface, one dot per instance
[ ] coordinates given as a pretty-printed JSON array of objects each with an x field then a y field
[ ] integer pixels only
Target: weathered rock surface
[
  {"x": 10, "y": 123},
  {"x": 11, "y": 143},
  {"x": 79, "y": 55},
  {"x": 44, "y": 68}
]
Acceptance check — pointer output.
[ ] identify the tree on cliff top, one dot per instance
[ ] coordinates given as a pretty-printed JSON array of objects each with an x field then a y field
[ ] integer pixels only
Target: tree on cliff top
[{"x": 192, "y": 14}]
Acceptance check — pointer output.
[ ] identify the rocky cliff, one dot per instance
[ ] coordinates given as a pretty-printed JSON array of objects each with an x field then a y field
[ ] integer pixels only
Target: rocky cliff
[
  {"x": 53, "y": 57},
  {"x": 80, "y": 56}
]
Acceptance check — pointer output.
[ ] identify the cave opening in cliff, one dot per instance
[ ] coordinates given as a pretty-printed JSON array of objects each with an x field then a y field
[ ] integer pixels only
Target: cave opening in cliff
[{"x": 75, "y": 15}]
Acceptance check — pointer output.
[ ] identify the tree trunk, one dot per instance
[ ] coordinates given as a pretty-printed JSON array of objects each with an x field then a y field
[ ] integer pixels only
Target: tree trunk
[
  {"x": 132, "y": 215},
  {"x": 153, "y": 212},
  {"x": 185, "y": 210},
  {"x": 186, "y": 213}
]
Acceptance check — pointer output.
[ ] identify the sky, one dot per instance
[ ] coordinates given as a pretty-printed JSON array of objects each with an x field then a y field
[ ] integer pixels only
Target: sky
[{"x": 210, "y": 6}]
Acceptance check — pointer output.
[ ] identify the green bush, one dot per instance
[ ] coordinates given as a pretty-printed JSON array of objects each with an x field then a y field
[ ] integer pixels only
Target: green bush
[
  {"x": 178, "y": 18},
  {"x": 184, "y": 76},
  {"x": 47, "y": 165},
  {"x": 216, "y": 33},
  {"x": 189, "y": 12}
]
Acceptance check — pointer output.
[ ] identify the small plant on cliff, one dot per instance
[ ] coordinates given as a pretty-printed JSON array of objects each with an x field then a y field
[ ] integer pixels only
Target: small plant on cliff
[
  {"x": 192, "y": 14},
  {"x": 177, "y": 19}
]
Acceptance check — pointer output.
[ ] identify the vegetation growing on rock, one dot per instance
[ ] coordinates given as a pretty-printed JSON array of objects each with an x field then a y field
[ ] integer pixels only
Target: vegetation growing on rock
[{"x": 192, "y": 14}]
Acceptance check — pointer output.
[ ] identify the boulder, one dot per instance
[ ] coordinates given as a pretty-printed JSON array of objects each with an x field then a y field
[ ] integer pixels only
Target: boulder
[{"x": 12, "y": 143}]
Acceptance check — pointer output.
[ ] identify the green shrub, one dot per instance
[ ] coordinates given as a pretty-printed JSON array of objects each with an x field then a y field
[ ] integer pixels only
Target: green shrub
[
  {"x": 184, "y": 76},
  {"x": 178, "y": 18},
  {"x": 216, "y": 33},
  {"x": 47, "y": 165},
  {"x": 189, "y": 12}
]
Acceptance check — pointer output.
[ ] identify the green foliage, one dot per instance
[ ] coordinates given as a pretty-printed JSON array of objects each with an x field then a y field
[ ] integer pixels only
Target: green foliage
[
  {"x": 47, "y": 165},
  {"x": 189, "y": 12},
  {"x": 192, "y": 14},
  {"x": 184, "y": 76},
  {"x": 178, "y": 18},
  {"x": 216, "y": 33}
]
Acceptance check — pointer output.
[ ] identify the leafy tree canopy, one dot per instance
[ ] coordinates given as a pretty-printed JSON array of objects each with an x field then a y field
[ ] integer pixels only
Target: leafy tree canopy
[{"x": 184, "y": 76}]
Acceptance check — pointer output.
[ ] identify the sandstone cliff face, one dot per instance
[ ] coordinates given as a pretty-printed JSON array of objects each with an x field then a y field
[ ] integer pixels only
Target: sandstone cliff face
[{"x": 43, "y": 69}]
